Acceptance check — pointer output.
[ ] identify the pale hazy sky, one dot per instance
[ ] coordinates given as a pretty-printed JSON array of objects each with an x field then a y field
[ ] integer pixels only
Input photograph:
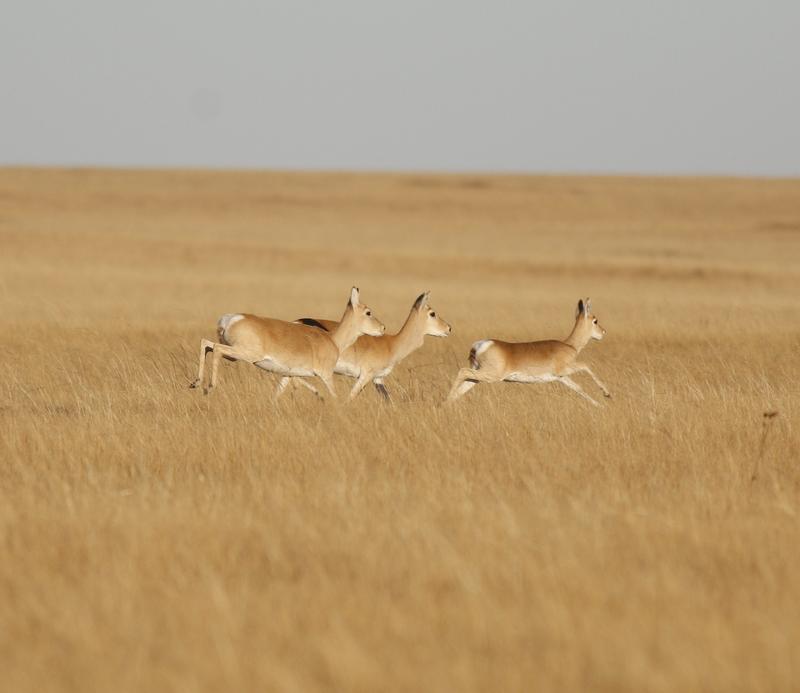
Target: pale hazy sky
[{"x": 674, "y": 86}]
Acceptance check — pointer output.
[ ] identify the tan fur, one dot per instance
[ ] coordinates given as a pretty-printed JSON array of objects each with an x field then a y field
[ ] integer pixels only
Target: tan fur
[
  {"x": 372, "y": 358},
  {"x": 543, "y": 361},
  {"x": 289, "y": 349}
]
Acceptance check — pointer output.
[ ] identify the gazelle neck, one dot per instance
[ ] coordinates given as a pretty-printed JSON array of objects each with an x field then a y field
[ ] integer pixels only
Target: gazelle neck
[
  {"x": 410, "y": 337},
  {"x": 580, "y": 335},
  {"x": 346, "y": 332}
]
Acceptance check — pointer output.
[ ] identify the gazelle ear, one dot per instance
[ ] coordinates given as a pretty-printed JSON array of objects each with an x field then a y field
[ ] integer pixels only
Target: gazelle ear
[
  {"x": 354, "y": 296},
  {"x": 588, "y": 305},
  {"x": 580, "y": 308},
  {"x": 422, "y": 299}
]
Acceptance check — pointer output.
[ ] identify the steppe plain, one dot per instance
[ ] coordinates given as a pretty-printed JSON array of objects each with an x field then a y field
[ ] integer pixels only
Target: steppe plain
[{"x": 155, "y": 539}]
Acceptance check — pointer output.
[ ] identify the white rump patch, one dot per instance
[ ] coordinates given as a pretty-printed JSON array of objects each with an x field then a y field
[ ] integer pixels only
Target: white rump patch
[
  {"x": 482, "y": 345},
  {"x": 225, "y": 323}
]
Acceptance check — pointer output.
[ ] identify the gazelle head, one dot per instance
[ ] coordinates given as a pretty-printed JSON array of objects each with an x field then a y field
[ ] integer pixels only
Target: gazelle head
[
  {"x": 433, "y": 324},
  {"x": 587, "y": 320},
  {"x": 365, "y": 321}
]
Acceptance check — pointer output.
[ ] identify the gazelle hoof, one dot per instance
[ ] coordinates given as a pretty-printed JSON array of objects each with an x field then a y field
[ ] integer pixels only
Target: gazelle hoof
[{"x": 607, "y": 395}]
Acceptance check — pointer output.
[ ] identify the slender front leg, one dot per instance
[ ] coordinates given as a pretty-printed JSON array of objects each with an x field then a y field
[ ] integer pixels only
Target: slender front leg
[
  {"x": 585, "y": 369},
  {"x": 295, "y": 381},
  {"x": 282, "y": 383},
  {"x": 205, "y": 346},
  {"x": 308, "y": 385},
  {"x": 363, "y": 379},
  {"x": 572, "y": 385},
  {"x": 327, "y": 379}
]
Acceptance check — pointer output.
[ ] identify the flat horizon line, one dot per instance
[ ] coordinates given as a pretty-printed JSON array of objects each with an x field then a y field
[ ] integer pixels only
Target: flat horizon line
[{"x": 357, "y": 171}]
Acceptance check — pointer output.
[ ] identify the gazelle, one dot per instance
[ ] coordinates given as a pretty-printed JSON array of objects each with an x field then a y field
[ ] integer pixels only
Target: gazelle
[
  {"x": 533, "y": 362},
  {"x": 373, "y": 358},
  {"x": 287, "y": 348}
]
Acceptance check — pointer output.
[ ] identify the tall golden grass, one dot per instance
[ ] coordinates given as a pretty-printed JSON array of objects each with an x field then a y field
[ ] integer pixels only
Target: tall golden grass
[{"x": 154, "y": 539}]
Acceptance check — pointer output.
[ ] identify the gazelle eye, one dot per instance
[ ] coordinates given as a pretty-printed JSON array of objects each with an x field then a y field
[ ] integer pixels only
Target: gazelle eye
[
  {"x": 432, "y": 314},
  {"x": 595, "y": 321},
  {"x": 369, "y": 313}
]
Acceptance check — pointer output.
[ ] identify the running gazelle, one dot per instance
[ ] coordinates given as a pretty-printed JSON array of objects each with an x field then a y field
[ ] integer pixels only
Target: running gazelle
[
  {"x": 533, "y": 362},
  {"x": 373, "y": 358},
  {"x": 290, "y": 349}
]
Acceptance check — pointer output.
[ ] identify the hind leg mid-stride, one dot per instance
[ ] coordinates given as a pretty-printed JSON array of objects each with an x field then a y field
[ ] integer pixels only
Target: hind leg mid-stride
[
  {"x": 218, "y": 352},
  {"x": 206, "y": 345},
  {"x": 468, "y": 378}
]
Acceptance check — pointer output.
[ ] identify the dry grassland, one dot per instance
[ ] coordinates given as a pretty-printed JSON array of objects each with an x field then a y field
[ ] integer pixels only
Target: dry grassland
[{"x": 153, "y": 539}]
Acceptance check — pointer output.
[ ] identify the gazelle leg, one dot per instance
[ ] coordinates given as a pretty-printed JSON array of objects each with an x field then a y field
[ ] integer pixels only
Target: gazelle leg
[
  {"x": 296, "y": 380},
  {"x": 471, "y": 376},
  {"x": 205, "y": 346},
  {"x": 465, "y": 387},
  {"x": 461, "y": 378},
  {"x": 282, "y": 383},
  {"x": 219, "y": 351},
  {"x": 307, "y": 385},
  {"x": 363, "y": 379},
  {"x": 572, "y": 385},
  {"x": 327, "y": 379},
  {"x": 381, "y": 388},
  {"x": 583, "y": 368}
]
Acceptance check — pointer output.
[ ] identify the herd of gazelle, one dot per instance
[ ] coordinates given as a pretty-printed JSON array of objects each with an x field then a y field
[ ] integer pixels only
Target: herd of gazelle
[{"x": 358, "y": 347}]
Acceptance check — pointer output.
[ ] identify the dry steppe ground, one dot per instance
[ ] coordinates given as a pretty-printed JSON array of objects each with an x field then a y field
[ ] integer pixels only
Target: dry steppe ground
[{"x": 153, "y": 539}]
